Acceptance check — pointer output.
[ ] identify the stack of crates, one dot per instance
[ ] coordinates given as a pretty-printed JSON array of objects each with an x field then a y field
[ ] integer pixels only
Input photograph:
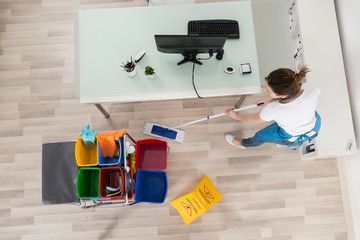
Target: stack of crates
[
  {"x": 151, "y": 179},
  {"x": 103, "y": 178}
]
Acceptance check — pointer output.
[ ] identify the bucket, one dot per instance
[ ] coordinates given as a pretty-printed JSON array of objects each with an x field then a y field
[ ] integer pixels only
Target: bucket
[
  {"x": 88, "y": 183},
  {"x": 115, "y": 160},
  {"x": 112, "y": 182},
  {"x": 151, "y": 186},
  {"x": 86, "y": 156},
  {"x": 151, "y": 154}
]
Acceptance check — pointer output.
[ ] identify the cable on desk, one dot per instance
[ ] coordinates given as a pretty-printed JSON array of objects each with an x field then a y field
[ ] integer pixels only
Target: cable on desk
[
  {"x": 193, "y": 81},
  {"x": 193, "y": 72}
]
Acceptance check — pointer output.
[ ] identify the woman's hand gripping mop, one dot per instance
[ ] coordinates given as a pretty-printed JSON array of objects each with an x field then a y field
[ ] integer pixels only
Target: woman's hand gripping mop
[{"x": 176, "y": 135}]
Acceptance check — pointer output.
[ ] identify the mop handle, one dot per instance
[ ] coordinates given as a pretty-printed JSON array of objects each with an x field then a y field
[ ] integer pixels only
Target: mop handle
[{"x": 218, "y": 115}]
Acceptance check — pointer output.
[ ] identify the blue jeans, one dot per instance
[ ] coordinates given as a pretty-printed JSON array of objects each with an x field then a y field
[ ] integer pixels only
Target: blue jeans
[
  {"x": 254, "y": 142},
  {"x": 275, "y": 134}
]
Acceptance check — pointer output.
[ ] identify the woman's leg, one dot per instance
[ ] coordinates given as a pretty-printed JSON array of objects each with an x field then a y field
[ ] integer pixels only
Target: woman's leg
[
  {"x": 254, "y": 142},
  {"x": 282, "y": 142}
]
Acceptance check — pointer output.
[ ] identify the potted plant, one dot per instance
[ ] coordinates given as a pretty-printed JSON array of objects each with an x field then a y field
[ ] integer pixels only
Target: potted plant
[{"x": 149, "y": 72}]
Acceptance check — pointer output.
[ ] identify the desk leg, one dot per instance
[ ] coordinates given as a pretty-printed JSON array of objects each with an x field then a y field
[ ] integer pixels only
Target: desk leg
[
  {"x": 102, "y": 110},
  {"x": 242, "y": 98}
]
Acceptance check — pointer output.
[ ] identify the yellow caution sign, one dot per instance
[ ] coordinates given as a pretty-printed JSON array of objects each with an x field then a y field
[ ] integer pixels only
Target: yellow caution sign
[{"x": 192, "y": 205}]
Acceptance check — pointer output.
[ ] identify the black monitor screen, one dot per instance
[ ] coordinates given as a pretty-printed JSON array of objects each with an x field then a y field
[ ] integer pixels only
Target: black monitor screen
[{"x": 189, "y": 46}]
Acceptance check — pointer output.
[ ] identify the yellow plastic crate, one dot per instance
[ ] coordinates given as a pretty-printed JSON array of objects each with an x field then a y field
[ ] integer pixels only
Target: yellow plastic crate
[{"x": 86, "y": 156}]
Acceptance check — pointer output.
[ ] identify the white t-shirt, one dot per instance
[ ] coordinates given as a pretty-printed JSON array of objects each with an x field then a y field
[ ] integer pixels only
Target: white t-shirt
[{"x": 296, "y": 117}]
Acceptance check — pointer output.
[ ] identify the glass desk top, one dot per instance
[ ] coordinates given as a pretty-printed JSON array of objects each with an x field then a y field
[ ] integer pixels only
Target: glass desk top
[{"x": 107, "y": 37}]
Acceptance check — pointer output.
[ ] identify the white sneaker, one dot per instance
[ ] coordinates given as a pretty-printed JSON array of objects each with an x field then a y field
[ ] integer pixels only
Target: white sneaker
[{"x": 229, "y": 138}]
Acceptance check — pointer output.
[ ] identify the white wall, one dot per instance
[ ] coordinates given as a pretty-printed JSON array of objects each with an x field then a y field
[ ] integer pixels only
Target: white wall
[
  {"x": 273, "y": 41},
  {"x": 349, "y": 22}
]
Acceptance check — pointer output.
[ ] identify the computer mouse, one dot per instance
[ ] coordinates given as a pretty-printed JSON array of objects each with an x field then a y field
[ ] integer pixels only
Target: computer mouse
[{"x": 220, "y": 55}]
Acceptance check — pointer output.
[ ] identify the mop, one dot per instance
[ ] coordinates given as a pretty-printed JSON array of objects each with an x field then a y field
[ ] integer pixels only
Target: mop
[{"x": 176, "y": 135}]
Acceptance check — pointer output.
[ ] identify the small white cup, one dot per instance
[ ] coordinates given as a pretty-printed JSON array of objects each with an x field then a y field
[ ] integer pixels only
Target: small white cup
[{"x": 132, "y": 73}]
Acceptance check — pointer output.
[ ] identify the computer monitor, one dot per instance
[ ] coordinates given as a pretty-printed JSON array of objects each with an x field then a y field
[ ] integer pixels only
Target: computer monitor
[{"x": 189, "y": 46}]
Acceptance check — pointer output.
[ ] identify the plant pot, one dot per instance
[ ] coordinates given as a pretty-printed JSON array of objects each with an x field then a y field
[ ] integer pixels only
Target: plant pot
[{"x": 150, "y": 76}]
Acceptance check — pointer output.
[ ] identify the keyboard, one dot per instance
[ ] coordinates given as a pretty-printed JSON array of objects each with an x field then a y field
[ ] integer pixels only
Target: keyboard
[{"x": 216, "y": 28}]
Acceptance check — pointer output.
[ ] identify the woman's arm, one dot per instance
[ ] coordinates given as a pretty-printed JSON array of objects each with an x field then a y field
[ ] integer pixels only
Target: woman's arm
[
  {"x": 255, "y": 118},
  {"x": 265, "y": 101}
]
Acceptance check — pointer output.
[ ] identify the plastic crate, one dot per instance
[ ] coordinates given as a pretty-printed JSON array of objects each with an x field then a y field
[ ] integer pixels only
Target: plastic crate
[
  {"x": 151, "y": 186},
  {"x": 111, "y": 177},
  {"x": 112, "y": 161},
  {"x": 151, "y": 154},
  {"x": 86, "y": 156},
  {"x": 88, "y": 183}
]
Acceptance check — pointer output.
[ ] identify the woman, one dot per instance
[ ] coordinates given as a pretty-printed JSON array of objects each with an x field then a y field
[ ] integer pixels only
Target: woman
[{"x": 291, "y": 105}]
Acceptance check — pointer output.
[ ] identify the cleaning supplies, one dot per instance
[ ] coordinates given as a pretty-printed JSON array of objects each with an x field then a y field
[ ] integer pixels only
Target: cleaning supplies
[{"x": 88, "y": 136}]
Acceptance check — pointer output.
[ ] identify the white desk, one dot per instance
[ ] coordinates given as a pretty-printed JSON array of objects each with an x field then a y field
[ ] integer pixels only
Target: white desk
[{"x": 107, "y": 37}]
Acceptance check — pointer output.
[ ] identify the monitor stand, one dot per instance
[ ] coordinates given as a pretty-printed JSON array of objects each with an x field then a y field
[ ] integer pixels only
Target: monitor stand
[{"x": 189, "y": 57}]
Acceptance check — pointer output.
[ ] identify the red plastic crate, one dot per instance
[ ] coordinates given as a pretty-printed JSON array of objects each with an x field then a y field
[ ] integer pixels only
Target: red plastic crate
[
  {"x": 108, "y": 177},
  {"x": 151, "y": 154}
]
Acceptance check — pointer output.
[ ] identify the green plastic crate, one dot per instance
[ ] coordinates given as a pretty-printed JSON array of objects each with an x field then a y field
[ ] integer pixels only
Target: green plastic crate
[{"x": 88, "y": 183}]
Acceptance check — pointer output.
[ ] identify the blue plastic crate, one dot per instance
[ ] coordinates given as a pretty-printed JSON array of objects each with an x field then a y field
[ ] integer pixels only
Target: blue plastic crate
[
  {"x": 112, "y": 161},
  {"x": 151, "y": 186}
]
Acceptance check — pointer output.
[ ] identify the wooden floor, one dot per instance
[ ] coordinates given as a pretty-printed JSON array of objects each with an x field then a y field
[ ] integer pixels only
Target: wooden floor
[{"x": 268, "y": 193}]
